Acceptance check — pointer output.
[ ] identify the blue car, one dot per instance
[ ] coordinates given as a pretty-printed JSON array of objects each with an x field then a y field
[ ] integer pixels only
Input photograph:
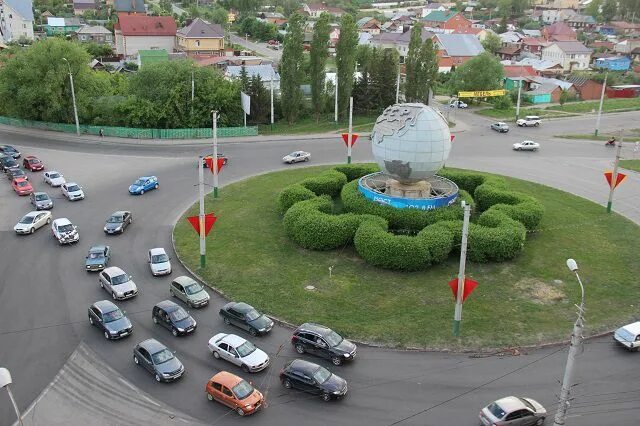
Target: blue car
[{"x": 143, "y": 184}]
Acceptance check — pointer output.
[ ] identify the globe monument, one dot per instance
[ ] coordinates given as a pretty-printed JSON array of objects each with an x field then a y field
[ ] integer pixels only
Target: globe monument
[{"x": 410, "y": 143}]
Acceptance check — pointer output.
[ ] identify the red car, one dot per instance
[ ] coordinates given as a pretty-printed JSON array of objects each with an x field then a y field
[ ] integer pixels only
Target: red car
[
  {"x": 22, "y": 186},
  {"x": 33, "y": 163}
]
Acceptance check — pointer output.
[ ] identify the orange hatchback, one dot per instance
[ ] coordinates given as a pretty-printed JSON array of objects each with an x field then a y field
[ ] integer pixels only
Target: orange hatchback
[
  {"x": 22, "y": 186},
  {"x": 235, "y": 393}
]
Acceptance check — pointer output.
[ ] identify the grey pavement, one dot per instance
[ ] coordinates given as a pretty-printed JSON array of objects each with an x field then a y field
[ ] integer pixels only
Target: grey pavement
[{"x": 259, "y": 47}]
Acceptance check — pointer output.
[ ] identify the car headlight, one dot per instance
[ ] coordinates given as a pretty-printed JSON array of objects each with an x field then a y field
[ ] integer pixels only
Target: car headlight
[
  {"x": 113, "y": 332},
  {"x": 262, "y": 329},
  {"x": 166, "y": 374},
  {"x": 347, "y": 355},
  {"x": 180, "y": 329},
  {"x": 105, "y": 228},
  {"x": 88, "y": 266},
  {"x": 336, "y": 392},
  {"x": 100, "y": 266},
  {"x": 247, "y": 406}
]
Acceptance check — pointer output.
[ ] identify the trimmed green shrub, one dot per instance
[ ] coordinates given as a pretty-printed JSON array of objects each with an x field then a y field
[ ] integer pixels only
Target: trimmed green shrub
[
  {"x": 468, "y": 181},
  {"x": 329, "y": 183},
  {"x": 291, "y": 195},
  {"x": 356, "y": 171}
]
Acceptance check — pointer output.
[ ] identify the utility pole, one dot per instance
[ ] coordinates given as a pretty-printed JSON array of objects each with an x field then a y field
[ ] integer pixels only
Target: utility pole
[
  {"x": 5, "y": 381},
  {"x": 193, "y": 90},
  {"x": 614, "y": 176},
  {"x": 519, "y": 92},
  {"x": 203, "y": 246},
  {"x": 73, "y": 96},
  {"x": 574, "y": 348},
  {"x": 336, "y": 100},
  {"x": 398, "y": 86},
  {"x": 457, "y": 316},
  {"x": 604, "y": 86},
  {"x": 271, "y": 88},
  {"x": 215, "y": 153},
  {"x": 350, "y": 139}
]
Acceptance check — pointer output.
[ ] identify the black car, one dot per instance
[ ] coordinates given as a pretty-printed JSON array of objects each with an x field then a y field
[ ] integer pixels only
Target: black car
[
  {"x": 319, "y": 340},
  {"x": 158, "y": 360},
  {"x": 7, "y": 162},
  {"x": 313, "y": 378},
  {"x": 10, "y": 151},
  {"x": 16, "y": 173},
  {"x": 117, "y": 222},
  {"x": 173, "y": 317},
  {"x": 246, "y": 317},
  {"x": 110, "y": 319}
]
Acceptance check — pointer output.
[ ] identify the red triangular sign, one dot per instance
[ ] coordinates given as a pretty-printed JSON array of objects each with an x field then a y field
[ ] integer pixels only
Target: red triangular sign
[
  {"x": 620, "y": 177},
  {"x": 209, "y": 161},
  {"x": 469, "y": 286},
  {"x": 345, "y": 138},
  {"x": 453, "y": 137},
  {"x": 209, "y": 220}
]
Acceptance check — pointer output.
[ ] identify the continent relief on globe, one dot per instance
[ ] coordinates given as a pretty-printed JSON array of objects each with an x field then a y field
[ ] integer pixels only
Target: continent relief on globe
[{"x": 394, "y": 120}]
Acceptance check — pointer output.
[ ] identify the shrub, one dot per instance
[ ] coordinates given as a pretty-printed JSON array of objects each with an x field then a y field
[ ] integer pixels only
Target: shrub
[
  {"x": 465, "y": 180},
  {"x": 327, "y": 183},
  {"x": 495, "y": 237},
  {"x": 291, "y": 195},
  {"x": 356, "y": 171}
]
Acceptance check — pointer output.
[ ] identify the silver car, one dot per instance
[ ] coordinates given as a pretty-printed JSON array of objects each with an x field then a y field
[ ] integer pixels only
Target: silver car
[
  {"x": 53, "y": 178},
  {"x": 32, "y": 221},
  {"x": 189, "y": 291},
  {"x": 159, "y": 262},
  {"x": 513, "y": 411},
  {"x": 118, "y": 283},
  {"x": 41, "y": 200},
  {"x": 238, "y": 351},
  {"x": 296, "y": 157}
]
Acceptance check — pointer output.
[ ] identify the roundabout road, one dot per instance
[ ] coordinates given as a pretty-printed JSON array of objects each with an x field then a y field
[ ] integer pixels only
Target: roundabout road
[{"x": 44, "y": 291}]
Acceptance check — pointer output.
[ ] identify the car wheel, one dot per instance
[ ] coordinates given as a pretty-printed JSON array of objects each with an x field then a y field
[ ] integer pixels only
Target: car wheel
[
  {"x": 90, "y": 320},
  {"x": 245, "y": 368},
  {"x": 286, "y": 383},
  {"x": 155, "y": 320},
  {"x": 130, "y": 220},
  {"x": 141, "y": 191},
  {"x": 113, "y": 294},
  {"x": 157, "y": 376},
  {"x": 48, "y": 221},
  {"x": 253, "y": 331},
  {"x": 299, "y": 348},
  {"x": 191, "y": 305},
  {"x": 336, "y": 360},
  {"x": 135, "y": 360},
  {"x": 326, "y": 397},
  {"x": 216, "y": 355},
  {"x": 240, "y": 411},
  {"x": 209, "y": 397},
  {"x": 226, "y": 321},
  {"x": 306, "y": 159},
  {"x": 540, "y": 421},
  {"x": 32, "y": 230},
  {"x": 536, "y": 125},
  {"x": 171, "y": 293},
  {"x": 106, "y": 335},
  {"x": 174, "y": 331},
  {"x": 101, "y": 285}
]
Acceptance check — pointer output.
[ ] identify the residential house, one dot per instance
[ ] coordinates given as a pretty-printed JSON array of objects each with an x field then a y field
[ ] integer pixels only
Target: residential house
[
  {"x": 532, "y": 45},
  {"x": 334, "y": 36},
  {"x": 558, "y": 4},
  {"x": 62, "y": 26},
  {"x": 548, "y": 92},
  {"x": 514, "y": 75},
  {"x": 572, "y": 55},
  {"x": 532, "y": 33},
  {"x": 616, "y": 63},
  {"x": 96, "y": 34},
  {"x": 315, "y": 9},
  {"x": 603, "y": 45},
  {"x": 626, "y": 28},
  {"x": 431, "y": 7},
  {"x": 582, "y": 22},
  {"x": 201, "y": 38},
  {"x": 479, "y": 33},
  {"x": 623, "y": 91},
  {"x": 607, "y": 30},
  {"x": 266, "y": 73},
  {"x": 559, "y": 32},
  {"x": 626, "y": 47},
  {"x": 368, "y": 25},
  {"x": 149, "y": 57},
  {"x": 509, "y": 52},
  {"x": 588, "y": 90},
  {"x": 398, "y": 41},
  {"x": 129, "y": 6},
  {"x": 550, "y": 16},
  {"x": 455, "y": 49},
  {"x": 81, "y": 6},
  {"x": 445, "y": 22},
  {"x": 140, "y": 32},
  {"x": 364, "y": 38},
  {"x": 16, "y": 20},
  {"x": 542, "y": 66},
  {"x": 510, "y": 38}
]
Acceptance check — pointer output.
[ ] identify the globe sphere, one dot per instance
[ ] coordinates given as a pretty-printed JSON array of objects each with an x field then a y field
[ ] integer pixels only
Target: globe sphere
[{"x": 411, "y": 141}]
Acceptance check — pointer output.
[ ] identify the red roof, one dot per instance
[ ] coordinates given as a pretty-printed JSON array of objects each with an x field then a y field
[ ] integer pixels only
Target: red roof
[
  {"x": 141, "y": 25},
  {"x": 468, "y": 30},
  {"x": 519, "y": 71},
  {"x": 532, "y": 41}
]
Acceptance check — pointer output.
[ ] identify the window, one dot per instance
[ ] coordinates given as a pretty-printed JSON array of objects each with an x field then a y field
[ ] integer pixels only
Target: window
[
  {"x": 224, "y": 347},
  {"x": 217, "y": 386},
  {"x": 227, "y": 392},
  {"x": 198, "y": 43}
]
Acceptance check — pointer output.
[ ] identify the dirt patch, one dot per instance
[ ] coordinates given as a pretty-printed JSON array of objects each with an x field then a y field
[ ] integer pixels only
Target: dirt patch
[{"x": 539, "y": 291}]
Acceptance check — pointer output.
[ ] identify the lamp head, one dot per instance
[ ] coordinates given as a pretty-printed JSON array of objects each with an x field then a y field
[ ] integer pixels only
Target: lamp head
[
  {"x": 5, "y": 377},
  {"x": 572, "y": 265}
]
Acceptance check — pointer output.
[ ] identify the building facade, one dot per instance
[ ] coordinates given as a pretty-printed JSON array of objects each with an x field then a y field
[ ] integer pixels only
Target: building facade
[
  {"x": 200, "y": 37},
  {"x": 571, "y": 55},
  {"x": 140, "y": 32},
  {"x": 16, "y": 20}
]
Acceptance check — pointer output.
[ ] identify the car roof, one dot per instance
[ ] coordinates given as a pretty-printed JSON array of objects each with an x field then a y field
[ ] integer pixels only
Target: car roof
[
  {"x": 152, "y": 345},
  {"x": 157, "y": 250},
  {"x": 113, "y": 270},
  {"x": 119, "y": 213},
  {"x": 317, "y": 328},
  {"x": 105, "y": 306},
  {"x": 511, "y": 403},
  {"x": 99, "y": 247},
  {"x": 184, "y": 280},
  {"x": 226, "y": 379},
  {"x": 167, "y": 305},
  {"x": 40, "y": 193},
  {"x": 30, "y": 156},
  {"x": 32, "y": 213},
  {"x": 242, "y": 307},
  {"x": 50, "y": 172},
  {"x": 633, "y": 328},
  {"x": 62, "y": 221},
  {"x": 70, "y": 183},
  {"x": 233, "y": 340},
  {"x": 20, "y": 179},
  {"x": 147, "y": 177},
  {"x": 302, "y": 365}
]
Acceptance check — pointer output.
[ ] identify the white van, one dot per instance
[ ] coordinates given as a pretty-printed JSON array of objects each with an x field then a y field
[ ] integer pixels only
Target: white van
[
  {"x": 528, "y": 121},
  {"x": 629, "y": 336}
]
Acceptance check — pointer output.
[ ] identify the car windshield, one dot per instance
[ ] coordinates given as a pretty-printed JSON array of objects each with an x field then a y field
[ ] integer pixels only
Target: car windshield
[
  {"x": 178, "y": 315},
  {"x": 139, "y": 182},
  {"x": 159, "y": 258},
  {"x": 27, "y": 219},
  {"x": 65, "y": 228},
  {"x": 22, "y": 183},
  {"x": 246, "y": 348},
  {"x": 17, "y": 172},
  {"x": 54, "y": 175},
  {"x": 10, "y": 163},
  {"x": 73, "y": 188},
  {"x": 42, "y": 197},
  {"x": 112, "y": 316},
  {"x": 253, "y": 315},
  {"x": 119, "y": 279},
  {"x": 242, "y": 390},
  {"x": 162, "y": 356},
  {"x": 9, "y": 149},
  {"x": 193, "y": 289},
  {"x": 115, "y": 219},
  {"x": 33, "y": 161},
  {"x": 496, "y": 410},
  {"x": 321, "y": 375},
  {"x": 96, "y": 254},
  {"x": 333, "y": 338},
  {"x": 293, "y": 154}
]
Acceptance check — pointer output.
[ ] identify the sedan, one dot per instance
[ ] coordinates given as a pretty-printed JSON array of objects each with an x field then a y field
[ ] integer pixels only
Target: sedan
[
  {"x": 72, "y": 191},
  {"x": 7, "y": 162},
  {"x": 157, "y": 359},
  {"x": 246, "y": 317},
  {"x": 238, "y": 351},
  {"x": 235, "y": 393},
  {"x": 53, "y": 178},
  {"x": 97, "y": 258},
  {"x": 118, "y": 221},
  {"x": 314, "y": 379},
  {"x": 296, "y": 157},
  {"x": 16, "y": 173},
  {"x": 22, "y": 186},
  {"x": 118, "y": 283},
  {"x": 32, "y": 221},
  {"x": 32, "y": 163},
  {"x": 513, "y": 411},
  {"x": 10, "y": 151},
  {"x": 143, "y": 184},
  {"x": 526, "y": 146},
  {"x": 110, "y": 320},
  {"x": 64, "y": 231},
  {"x": 189, "y": 291},
  {"x": 172, "y": 317},
  {"x": 500, "y": 127},
  {"x": 159, "y": 262},
  {"x": 41, "y": 200}
]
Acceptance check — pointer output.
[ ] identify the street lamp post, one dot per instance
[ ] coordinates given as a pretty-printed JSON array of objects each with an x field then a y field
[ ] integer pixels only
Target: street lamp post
[
  {"x": 604, "y": 86},
  {"x": 5, "y": 381},
  {"x": 73, "y": 96},
  {"x": 574, "y": 348}
]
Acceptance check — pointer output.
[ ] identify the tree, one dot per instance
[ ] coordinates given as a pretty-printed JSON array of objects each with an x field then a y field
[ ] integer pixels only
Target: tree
[
  {"x": 345, "y": 60},
  {"x": 318, "y": 58},
  {"x": 98, "y": 50},
  {"x": 504, "y": 8},
  {"x": 564, "y": 96},
  {"x": 260, "y": 101},
  {"x": 219, "y": 16},
  {"x": 593, "y": 9},
  {"x": 468, "y": 78},
  {"x": 412, "y": 64},
  {"x": 492, "y": 43},
  {"x": 244, "y": 79},
  {"x": 609, "y": 10},
  {"x": 291, "y": 73}
]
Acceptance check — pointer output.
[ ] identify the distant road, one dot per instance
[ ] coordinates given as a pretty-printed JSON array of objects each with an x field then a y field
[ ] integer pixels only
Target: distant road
[{"x": 260, "y": 48}]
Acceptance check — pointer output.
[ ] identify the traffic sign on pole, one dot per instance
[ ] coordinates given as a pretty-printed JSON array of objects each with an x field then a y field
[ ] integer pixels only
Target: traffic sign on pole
[
  {"x": 620, "y": 177},
  {"x": 345, "y": 138},
  {"x": 209, "y": 161},
  {"x": 209, "y": 221},
  {"x": 469, "y": 286}
]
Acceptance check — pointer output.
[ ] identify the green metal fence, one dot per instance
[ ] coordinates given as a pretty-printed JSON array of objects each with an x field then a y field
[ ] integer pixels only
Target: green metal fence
[{"x": 133, "y": 133}]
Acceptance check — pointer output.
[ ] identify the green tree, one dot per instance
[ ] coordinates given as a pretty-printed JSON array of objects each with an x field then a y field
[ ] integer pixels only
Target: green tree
[
  {"x": 428, "y": 71},
  {"x": 609, "y": 10},
  {"x": 219, "y": 16},
  {"x": 564, "y": 97},
  {"x": 260, "y": 101},
  {"x": 492, "y": 43},
  {"x": 412, "y": 64},
  {"x": 346, "y": 61},
  {"x": 505, "y": 8},
  {"x": 244, "y": 79},
  {"x": 98, "y": 50},
  {"x": 291, "y": 71},
  {"x": 593, "y": 9},
  {"x": 468, "y": 78},
  {"x": 318, "y": 58}
]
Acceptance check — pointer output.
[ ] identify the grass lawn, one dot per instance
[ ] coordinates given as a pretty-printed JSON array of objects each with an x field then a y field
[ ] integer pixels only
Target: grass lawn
[
  {"x": 361, "y": 123},
  {"x": 630, "y": 164},
  {"x": 631, "y": 135},
  {"x": 250, "y": 258},
  {"x": 609, "y": 105},
  {"x": 510, "y": 114}
]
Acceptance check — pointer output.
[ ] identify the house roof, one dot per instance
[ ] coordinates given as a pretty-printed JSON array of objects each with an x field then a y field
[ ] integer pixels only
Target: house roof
[
  {"x": 84, "y": 4},
  {"x": 63, "y": 22},
  {"x": 562, "y": 37},
  {"x": 433, "y": 6},
  {"x": 559, "y": 28},
  {"x": 624, "y": 25},
  {"x": 519, "y": 71},
  {"x": 532, "y": 33},
  {"x": 544, "y": 89},
  {"x": 510, "y": 37},
  {"x": 199, "y": 28},
  {"x": 129, "y": 6},
  {"x": 539, "y": 64},
  {"x": 580, "y": 81},
  {"x": 141, "y": 25},
  {"x": 93, "y": 29},
  {"x": 572, "y": 47},
  {"x": 509, "y": 50},
  {"x": 360, "y": 23},
  {"x": 439, "y": 16},
  {"x": 587, "y": 19},
  {"x": 469, "y": 30},
  {"x": 459, "y": 44},
  {"x": 564, "y": 85},
  {"x": 532, "y": 41},
  {"x": 265, "y": 72},
  {"x": 614, "y": 59},
  {"x": 23, "y": 7}
]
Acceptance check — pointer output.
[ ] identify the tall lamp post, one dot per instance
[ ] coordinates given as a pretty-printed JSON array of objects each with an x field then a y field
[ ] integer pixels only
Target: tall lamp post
[
  {"x": 73, "y": 96},
  {"x": 574, "y": 348},
  {"x": 5, "y": 381}
]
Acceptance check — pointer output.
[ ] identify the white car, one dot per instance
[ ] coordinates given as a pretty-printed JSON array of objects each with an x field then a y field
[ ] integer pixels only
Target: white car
[
  {"x": 238, "y": 351},
  {"x": 32, "y": 221},
  {"x": 457, "y": 104},
  {"x": 53, "y": 178},
  {"x": 296, "y": 157},
  {"x": 159, "y": 262},
  {"x": 526, "y": 146},
  {"x": 629, "y": 336},
  {"x": 72, "y": 191},
  {"x": 118, "y": 283},
  {"x": 64, "y": 231},
  {"x": 528, "y": 121},
  {"x": 513, "y": 410}
]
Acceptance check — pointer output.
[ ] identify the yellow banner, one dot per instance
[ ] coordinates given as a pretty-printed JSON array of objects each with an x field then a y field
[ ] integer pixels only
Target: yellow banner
[{"x": 482, "y": 93}]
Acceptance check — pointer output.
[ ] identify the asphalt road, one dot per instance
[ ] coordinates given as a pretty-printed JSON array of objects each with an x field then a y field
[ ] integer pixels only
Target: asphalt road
[
  {"x": 260, "y": 48},
  {"x": 45, "y": 292}
]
